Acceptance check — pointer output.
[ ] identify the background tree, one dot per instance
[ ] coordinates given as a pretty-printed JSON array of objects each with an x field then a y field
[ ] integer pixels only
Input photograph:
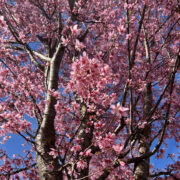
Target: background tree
[{"x": 100, "y": 79}]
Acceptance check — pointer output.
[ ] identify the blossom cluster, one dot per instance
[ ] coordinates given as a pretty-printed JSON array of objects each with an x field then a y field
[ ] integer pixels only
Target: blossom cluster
[{"x": 89, "y": 80}]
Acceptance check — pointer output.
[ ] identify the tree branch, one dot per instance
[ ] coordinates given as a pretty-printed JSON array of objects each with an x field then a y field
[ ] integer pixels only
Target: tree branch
[
  {"x": 137, "y": 37},
  {"x": 71, "y": 4}
]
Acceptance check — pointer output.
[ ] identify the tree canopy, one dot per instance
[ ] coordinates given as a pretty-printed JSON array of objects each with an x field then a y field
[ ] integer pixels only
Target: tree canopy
[{"x": 100, "y": 81}]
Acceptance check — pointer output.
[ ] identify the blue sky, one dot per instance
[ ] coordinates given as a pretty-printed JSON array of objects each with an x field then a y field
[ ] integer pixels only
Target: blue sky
[{"x": 162, "y": 163}]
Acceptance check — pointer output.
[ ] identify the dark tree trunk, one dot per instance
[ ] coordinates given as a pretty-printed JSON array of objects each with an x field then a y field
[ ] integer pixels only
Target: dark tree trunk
[{"x": 86, "y": 142}]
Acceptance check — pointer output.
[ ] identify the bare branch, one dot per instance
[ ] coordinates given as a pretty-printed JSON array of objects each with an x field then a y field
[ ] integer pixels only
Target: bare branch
[
  {"x": 161, "y": 173},
  {"x": 137, "y": 37},
  {"x": 18, "y": 171},
  {"x": 41, "y": 56}
]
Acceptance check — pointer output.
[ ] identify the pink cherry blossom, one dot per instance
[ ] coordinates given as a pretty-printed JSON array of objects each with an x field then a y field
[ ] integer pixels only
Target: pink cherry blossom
[
  {"x": 119, "y": 110},
  {"x": 81, "y": 165},
  {"x": 64, "y": 41},
  {"x": 76, "y": 148},
  {"x": 79, "y": 46},
  {"x": 117, "y": 148},
  {"x": 75, "y": 30},
  {"x": 53, "y": 153}
]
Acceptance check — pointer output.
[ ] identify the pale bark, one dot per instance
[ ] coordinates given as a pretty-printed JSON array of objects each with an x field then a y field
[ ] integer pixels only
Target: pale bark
[
  {"x": 45, "y": 139},
  {"x": 141, "y": 168}
]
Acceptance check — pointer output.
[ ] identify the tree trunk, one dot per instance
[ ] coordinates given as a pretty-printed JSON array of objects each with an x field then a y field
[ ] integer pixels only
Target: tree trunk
[
  {"x": 141, "y": 168},
  {"x": 44, "y": 141},
  {"x": 49, "y": 167},
  {"x": 44, "y": 160}
]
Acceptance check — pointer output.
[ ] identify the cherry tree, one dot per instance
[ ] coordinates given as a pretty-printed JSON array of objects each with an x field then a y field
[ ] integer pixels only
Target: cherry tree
[{"x": 100, "y": 81}]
